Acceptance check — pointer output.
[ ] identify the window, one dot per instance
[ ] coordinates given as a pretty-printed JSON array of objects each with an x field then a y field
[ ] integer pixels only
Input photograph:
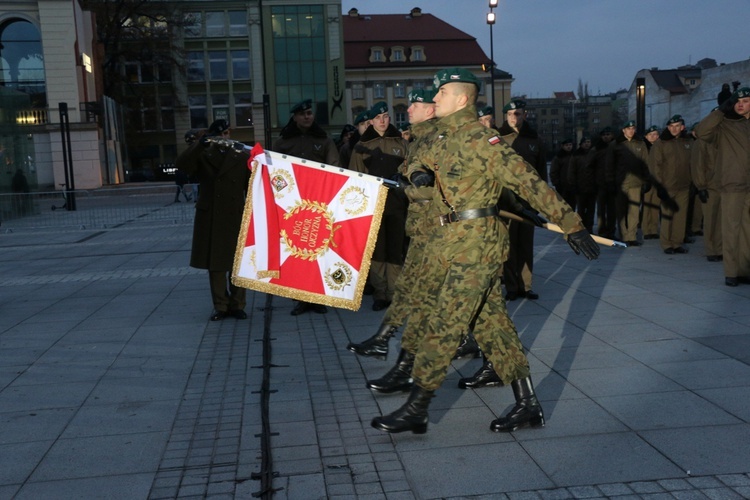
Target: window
[
  {"x": 240, "y": 64},
  {"x": 595, "y": 111},
  {"x": 596, "y": 120},
  {"x": 198, "y": 111},
  {"x": 544, "y": 112},
  {"x": 243, "y": 110},
  {"x": 419, "y": 86},
  {"x": 397, "y": 54},
  {"x": 376, "y": 54},
  {"x": 400, "y": 118},
  {"x": 220, "y": 107},
  {"x": 378, "y": 91},
  {"x": 167, "y": 112},
  {"x": 164, "y": 72},
  {"x": 193, "y": 24},
  {"x": 215, "y": 24},
  {"x": 217, "y": 65},
  {"x": 555, "y": 111},
  {"x": 21, "y": 61},
  {"x": 417, "y": 53},
  {"x": 299, "y": 52},
  {"x": 399, "y": 89},
  {"x": 237, "y": 23},
  {"x": 196, "y": 67},
  {"x": 358, "y": 91},
  {"x": 555, "y": 121}
]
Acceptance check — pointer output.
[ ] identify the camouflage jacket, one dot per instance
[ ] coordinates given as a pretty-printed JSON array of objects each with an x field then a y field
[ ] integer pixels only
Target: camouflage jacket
[
  {"x": 472, "y": 165},
  {"x": 420, "y": 198}
]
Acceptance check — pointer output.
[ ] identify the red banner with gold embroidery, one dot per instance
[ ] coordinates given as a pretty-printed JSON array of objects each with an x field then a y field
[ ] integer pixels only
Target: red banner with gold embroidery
[{"x": 308, "y": 230}]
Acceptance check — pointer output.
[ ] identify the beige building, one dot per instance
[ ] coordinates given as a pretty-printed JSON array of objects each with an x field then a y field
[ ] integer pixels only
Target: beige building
[
  {"x": 388, "y": 55},
  {"x": 46, "y": 59}
]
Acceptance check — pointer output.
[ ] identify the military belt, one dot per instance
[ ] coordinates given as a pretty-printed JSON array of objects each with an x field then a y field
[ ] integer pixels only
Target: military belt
[{"x": 476, "y": 213}]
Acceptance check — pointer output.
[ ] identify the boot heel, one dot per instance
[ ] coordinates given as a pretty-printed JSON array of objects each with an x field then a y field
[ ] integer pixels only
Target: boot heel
[{"x": 420, "y": 429}]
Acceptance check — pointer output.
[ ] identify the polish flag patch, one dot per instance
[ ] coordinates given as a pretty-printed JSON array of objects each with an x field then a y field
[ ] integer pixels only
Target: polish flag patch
[{"x": 494, "y": 140}]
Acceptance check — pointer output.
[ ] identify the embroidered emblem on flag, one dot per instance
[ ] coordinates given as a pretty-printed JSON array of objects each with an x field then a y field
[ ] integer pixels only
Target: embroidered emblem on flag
[{"x": 308, "y": 230}]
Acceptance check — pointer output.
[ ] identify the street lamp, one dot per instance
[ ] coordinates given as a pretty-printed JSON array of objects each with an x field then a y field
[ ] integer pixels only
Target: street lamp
[
  {"x": 640, "y": 104},
  {"x": 491, "y": 21}
]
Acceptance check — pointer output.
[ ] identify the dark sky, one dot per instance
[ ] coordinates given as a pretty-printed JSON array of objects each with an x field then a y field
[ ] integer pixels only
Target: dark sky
[{"x": 548, "y": 45}]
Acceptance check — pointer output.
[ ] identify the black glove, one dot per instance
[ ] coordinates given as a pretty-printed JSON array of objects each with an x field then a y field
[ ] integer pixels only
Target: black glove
[
  {"x": 400, "y": 179},
  {"x": 646, "y": 187},
  {"x": 534, "y": 217},
  {"x": 703, "y": 195},
  {"x": 421, "y": 178},
  {"x": 727, "y": 107},
  {"x": 582, "y": 242}
]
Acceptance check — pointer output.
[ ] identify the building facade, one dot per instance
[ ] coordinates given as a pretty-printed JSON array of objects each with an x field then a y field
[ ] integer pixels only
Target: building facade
[
  {"x": 47, "y": 64},
  {"x": 388, "y": 55}
]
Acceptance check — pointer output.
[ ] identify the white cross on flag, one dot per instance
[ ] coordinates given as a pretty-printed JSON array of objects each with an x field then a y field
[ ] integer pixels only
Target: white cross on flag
[{"x": 308, "y": 230}]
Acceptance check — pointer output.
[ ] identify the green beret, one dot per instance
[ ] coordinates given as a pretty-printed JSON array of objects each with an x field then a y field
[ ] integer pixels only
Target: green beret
[
  {"x": 517, "y": 104},
  {"x": 455, "y": 75},
  {"x": 652, "y": 128},
  {"x": 422, "y": 95},
  {"x": 676, "y": 119},
  {"x": 403, "y": 127},
  {"x": 606, "y": 130},
  {"x": 301, "y": 106},
  {"x": 584, "y": 138},
  {"x": 567, "y": 141},
  {"x": 485, "y": 111},
  {"x": 628, "y": 124},
  {"x": 362, "y": 117},
  {"x": 218, "y": 127},
  {"x": 740, "y": 93},
  {"x": 378, "y": 109}
]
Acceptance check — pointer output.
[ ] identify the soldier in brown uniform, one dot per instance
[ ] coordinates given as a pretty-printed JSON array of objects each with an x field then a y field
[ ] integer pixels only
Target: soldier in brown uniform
[
  {"x": 223, "y": 175},
  {"x": 468, "y": 243},
  {"x": 669, "y": 163},
  {"x": 706, "y": 181},
  {"x": 650, "y": 200},
  {"x": 629, "y": 161},
  {"x": 729, "y": 126}
]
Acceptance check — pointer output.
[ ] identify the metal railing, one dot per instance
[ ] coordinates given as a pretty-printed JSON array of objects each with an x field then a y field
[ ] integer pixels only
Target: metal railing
[{"x": 96, "y": 208}]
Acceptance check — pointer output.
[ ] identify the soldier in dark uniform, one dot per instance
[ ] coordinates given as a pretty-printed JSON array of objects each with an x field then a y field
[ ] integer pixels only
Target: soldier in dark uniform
[
  {"x": 467, "y": 244},
  {"x": 518, "y": 134},
  {"x": 303, "y": 138},
  {"x": 380, "y": 152},
  {"x": 223, "y": 174}
]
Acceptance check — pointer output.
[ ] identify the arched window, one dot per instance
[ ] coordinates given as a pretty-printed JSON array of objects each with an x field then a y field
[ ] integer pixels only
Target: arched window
[{"x": 22, "y": 61}]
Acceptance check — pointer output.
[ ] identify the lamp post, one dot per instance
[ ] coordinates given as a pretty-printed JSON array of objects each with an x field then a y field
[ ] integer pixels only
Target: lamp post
[
  {"x": 640, "y": 104},
  {"x": 491, "y": 22}
]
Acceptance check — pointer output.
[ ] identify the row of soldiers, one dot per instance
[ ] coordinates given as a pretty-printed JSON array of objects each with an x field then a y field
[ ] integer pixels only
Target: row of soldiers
[{"x": 672, "y": 184}]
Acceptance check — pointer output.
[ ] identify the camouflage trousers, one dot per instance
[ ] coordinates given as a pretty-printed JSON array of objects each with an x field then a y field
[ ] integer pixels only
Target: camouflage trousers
[
  {"x": 463, "y": 293},
  {"x": 403, "y": 303}
]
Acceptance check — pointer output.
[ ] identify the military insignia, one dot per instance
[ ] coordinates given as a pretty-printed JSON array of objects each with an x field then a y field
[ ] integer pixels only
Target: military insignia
[
  {"x": 397, "y": 151},
  {"x": 311, "y": 230},
  {"x": 282, "y": 182},
  {"x": 354, "y": 200},
  {"x": 339, "y": 276},
  {"x": 317, "y": 147},
  {"x": 532, "y": 148},
  {"x": 494, "y": 140}
]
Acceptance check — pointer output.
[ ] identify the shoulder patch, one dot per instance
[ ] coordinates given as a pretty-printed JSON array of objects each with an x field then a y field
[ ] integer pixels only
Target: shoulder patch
[{"x": 494, "y": 140}]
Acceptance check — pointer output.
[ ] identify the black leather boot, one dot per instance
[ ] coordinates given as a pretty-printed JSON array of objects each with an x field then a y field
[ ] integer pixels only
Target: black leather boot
[
  {"x": 397, "y": 378},
  {"x": 377, "y": 345},
  {"x": 412, "y": 416},
  {"x": 468, "y": 348},
  {"x": 484, "y": 377},
  {"x": 526, "y": 413}
]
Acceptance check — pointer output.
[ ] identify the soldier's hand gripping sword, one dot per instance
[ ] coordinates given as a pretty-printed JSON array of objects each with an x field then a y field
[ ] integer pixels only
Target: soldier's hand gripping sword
[{"x": 555, "y": 228}]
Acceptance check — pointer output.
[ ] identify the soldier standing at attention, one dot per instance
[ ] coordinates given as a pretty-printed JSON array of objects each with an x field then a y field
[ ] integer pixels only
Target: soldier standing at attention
[
  {"x": 629, "y": 162},
  {"x": 303, "y": 138},
  {"x": 518, "y": 134},
  {"x": 669, "y": 162},
  {"x": 467, "y": 246},
  {"x": 649, "y": 200},
  {"x": 223, "y": 175},
  {"x": 380, "y": 152}
]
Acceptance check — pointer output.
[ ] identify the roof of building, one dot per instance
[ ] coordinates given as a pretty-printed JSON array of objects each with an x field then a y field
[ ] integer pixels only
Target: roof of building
[
  {"x": 672, "y": 79},
  {"x": 443, "y": 44},
  {"x": 566, "y": 96}
]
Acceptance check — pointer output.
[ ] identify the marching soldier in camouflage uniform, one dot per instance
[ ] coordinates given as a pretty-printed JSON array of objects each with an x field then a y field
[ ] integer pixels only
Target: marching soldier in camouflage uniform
[
  {"x": 422, "y": 118},
  {"x": 467, "y": 245}
]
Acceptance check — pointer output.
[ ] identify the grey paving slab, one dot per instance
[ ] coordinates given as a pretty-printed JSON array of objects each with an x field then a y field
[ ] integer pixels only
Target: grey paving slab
[{"x": 114, "y": 487}]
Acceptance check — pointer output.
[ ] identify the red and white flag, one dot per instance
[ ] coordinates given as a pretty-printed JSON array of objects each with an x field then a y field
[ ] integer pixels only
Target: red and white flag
[{"x": 308, "y": 230}]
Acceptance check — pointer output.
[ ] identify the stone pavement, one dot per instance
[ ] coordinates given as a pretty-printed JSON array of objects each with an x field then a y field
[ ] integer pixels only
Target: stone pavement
[{"x": 114, "y": 384}]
